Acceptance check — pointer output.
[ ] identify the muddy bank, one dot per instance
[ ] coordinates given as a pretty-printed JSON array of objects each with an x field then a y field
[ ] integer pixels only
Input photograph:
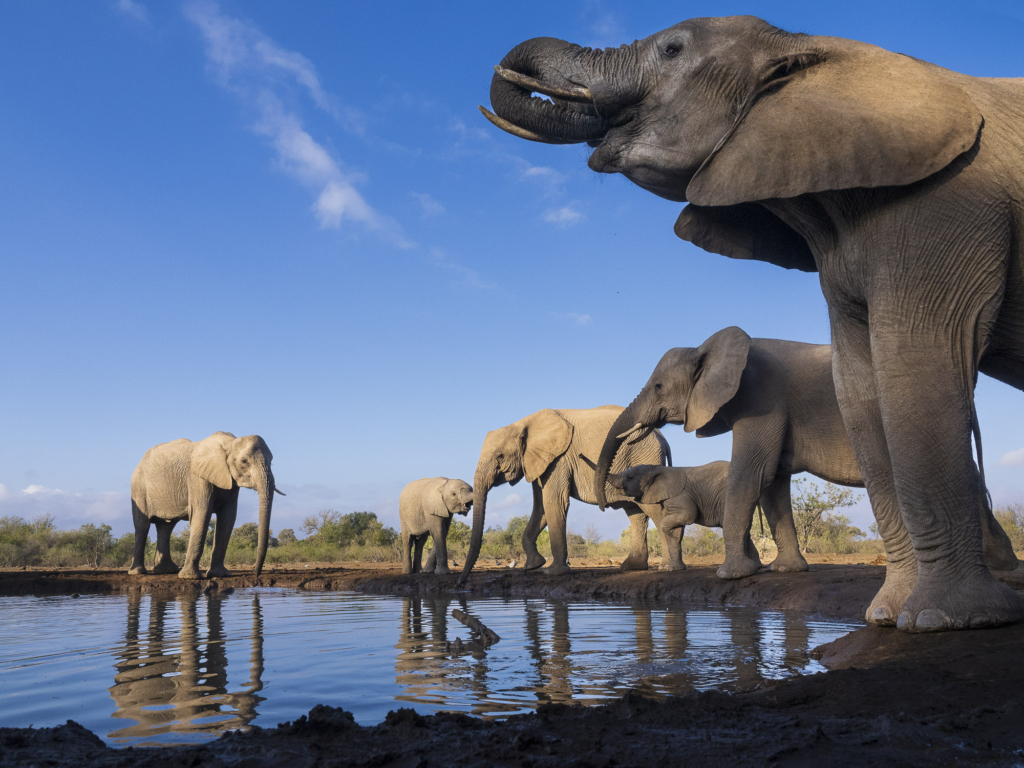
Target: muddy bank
[{"x": 897, "y": 700}]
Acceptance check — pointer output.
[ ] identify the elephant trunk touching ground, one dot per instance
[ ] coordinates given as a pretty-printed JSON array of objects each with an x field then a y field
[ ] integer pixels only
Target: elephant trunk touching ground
[
  {"x": 632, "y": 424},
  {"x": 482, "y": 483},
  {"x": 576, "y": 80},
  {"x": 265, "y": 489}
]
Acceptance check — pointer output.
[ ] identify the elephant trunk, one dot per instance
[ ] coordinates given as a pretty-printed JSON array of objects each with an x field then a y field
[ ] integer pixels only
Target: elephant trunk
[
  {"x": 265, "y": 489},
  {"x": 626, "y": 421},
  {"x": 481, "y": 487}
]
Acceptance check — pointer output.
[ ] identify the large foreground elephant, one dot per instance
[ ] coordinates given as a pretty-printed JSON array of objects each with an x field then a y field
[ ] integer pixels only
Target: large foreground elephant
[
  {"x": 182, "y": 480},
  {"x": 555, "y": 451},
  {"x": 899, "y": 182}
]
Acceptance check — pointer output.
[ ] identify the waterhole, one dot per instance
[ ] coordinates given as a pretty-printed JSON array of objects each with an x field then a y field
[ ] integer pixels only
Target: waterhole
[{"x": 149, "y": 669}]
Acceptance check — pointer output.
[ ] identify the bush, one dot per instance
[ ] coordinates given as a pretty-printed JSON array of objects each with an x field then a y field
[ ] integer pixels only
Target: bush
[
  {"x": 1011, "y": 518},
  {"x": 356, "y": 528},
  {"x": 819, "y": 528},
  {"x": 286, "y": 537}
]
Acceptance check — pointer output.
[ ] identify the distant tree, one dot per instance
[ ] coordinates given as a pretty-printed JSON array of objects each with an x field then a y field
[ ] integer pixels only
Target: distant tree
[
  {"x": 356, "y": 528},
  {"x": 1011, "y": 517},
  {"x": 818, "y": 526},
  {"x": 246, "y": 535},
  {"x": 286, "y": 537}
]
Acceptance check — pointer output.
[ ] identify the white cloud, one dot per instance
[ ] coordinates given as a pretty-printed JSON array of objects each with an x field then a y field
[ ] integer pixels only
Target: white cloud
[
  {"x": 566, "y": 216},
  {"x": 429, "y": 206},
  {"x": 247, "y": 63},
  {"x": 69, "y": 510},
  {"x": 578, "y": 318},
  {"x": 440, "y": 259},
  {"x": 509, "y": 502},
  {"x": 1012, "y": 459},
  {"x": 134, "y": 10},
  {"x": 549, "y": 178}
]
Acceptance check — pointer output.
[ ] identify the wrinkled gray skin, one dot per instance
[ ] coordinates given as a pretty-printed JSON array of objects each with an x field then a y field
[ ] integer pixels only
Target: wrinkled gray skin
[
  {"x": 426, "y": 508},
  {"x": 778, "y": 399},
  {"x": 899, "y": 182},
  {"x": 686, "y": 496},
  {"x": 182, "y": 480},
  {"x": 555, "y": 451}
]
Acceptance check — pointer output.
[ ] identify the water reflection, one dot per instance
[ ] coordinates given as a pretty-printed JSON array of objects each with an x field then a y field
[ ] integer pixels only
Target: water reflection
[
  {"x": 586, "y": 653},
  {"x": 176, "y": 681}
]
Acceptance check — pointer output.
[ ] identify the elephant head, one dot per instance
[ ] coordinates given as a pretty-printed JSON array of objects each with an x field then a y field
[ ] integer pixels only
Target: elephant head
[
  {"x": 523, "y": 449},
  {"x": 226, "y": 461},
  {"x": 689, "y": 386},
  {"x": 646, "y": 483},
  {"x": 723, "y": 112},
  {"x": 454, "y": 497}
]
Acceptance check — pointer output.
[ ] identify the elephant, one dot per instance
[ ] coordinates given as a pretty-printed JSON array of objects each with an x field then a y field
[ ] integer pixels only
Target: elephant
[
  {"x": 426, "y": 507},
  {"x": 899, "y": 182},
  {"x": 183, "y": 480},
  {"x": 778, "y": 399},
  {"x": 696, "y": 496},
  {"x": 550, "y": 449}
]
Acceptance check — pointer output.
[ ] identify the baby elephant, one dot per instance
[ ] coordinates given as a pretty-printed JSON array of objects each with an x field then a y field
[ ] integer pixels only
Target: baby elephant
[
  {"x": 426, "y": 507},
  {"x": 685, "y": 496}
]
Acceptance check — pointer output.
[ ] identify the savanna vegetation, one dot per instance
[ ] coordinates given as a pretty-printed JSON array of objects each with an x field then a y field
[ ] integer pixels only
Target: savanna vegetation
[{"x": 333, "y": 537}]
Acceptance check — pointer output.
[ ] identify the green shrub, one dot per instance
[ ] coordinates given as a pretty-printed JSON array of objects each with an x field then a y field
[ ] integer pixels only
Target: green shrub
[{"x": 1011, "y": 517}]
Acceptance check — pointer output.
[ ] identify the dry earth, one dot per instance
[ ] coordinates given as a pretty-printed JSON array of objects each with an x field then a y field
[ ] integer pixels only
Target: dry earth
[{"x": 891, "y": 699}]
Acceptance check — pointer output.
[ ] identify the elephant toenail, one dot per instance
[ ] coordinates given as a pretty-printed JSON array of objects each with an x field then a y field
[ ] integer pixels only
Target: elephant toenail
[
  {"x": 880, "y": 615},
  {"x": 928, "y": 620}
]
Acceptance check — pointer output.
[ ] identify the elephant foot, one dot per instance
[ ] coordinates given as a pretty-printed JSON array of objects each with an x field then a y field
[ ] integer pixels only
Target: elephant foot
[
  {"x": 634, "y": 563},
  {"x": 216, "y": 571},
  {"x": 137, "y": 570},
  {"x": 955, "y": 602},
  {"x": 189, "y": 572},
  {"x": 534, "y": 561},
  {"x": 443, "y": 570},
  {"x": 900, "y": 578},
  {"x": 556, "y": 569},
  {"x": 165, "y": 566},
  {"x": 789, "y": 564},
  {"x": 737, "y": 567},
  {"x": 672, "y": 567}
]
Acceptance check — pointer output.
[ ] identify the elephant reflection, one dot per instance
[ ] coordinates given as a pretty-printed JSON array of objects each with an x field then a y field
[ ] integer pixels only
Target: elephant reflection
[{"x": 166, "y": 690}]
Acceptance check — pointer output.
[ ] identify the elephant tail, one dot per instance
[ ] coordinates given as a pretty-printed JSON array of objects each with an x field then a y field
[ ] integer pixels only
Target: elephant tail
[{"x": 665, "y": 447}]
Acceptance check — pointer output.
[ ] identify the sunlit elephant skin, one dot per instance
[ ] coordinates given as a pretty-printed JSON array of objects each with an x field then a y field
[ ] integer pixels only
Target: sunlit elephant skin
[
  {"x": 686, "y": 496},
  {"x": 182, "y": 480},
  {"x": 899, "y": 182},
  {"x": 426, "y": 508},
  {"x": 555, "y": 450}
]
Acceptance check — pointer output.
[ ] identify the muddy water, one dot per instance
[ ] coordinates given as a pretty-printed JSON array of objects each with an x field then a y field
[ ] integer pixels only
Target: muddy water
[{"x": 160, "y": 670}]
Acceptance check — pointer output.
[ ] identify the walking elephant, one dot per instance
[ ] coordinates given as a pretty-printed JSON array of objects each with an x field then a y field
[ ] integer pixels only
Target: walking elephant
[
  {"x": 899, "y": 182},
  {"x": 778, "y": 399},
  {"x": 686, "y": 496},
  {"x": 182, "y": 480},
  {"x": 553, "y": 450},
  {"x": 426, "y": 508}
]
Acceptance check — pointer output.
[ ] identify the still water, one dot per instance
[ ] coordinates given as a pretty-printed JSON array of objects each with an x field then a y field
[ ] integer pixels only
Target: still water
[{"x": 140, "y": 669}]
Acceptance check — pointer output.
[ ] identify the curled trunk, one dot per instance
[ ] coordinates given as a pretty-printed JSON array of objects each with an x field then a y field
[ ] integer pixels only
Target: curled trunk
[
  {"x": 481, "y": 487},
  {"x": 266, "y": 493},
  {"x": 612, "y": 442}
]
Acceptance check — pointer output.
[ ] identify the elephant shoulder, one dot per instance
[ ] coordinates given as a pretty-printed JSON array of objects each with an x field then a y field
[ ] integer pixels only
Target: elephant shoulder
[
  {"x": 745, "y": 231},
  {"x": 413, "y": 492}
]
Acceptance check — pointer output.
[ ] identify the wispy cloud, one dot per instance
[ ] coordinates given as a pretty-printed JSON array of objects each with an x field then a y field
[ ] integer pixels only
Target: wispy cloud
[
  {"x": 1012, "y": 459},
  {"x": 511, "y": 501},
  {"x": 69, "y": 510},
  {"x": 429, "y": 207},
  {"x": 578, "y": 318},
  {"x": 247, "y": 63},
  {"x": 440, "y": 259},
  {"x": 566, "y": 216},
  {"x": 134, "y": 10}
]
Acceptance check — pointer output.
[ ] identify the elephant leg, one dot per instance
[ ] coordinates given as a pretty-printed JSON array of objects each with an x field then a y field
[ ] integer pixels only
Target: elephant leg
[
  {"x": 555, "y": 496},
  {"x": 407, "y": 544},
  {"x": 431, "y": 565},
  {"x": 858, "y": 402},
  {"x": 777, "y": 505},
  {"x": 747, "y": 478},
  {"x": 671, "y": 546},
  {"x": 638, "y": 557},
  {"x": 417, "y": 556},
  {"x": 927, "y": 428},
  {"x": 222, "y": 536},
  {"x": 750, "y": 550},
  {"x": 141, "y": 521},
  {"x": 438, "y": 562},
  {"x": 534, "y": 559},
  {"x": 164, "y": 564},
  {"x": 198, "y": 522}
]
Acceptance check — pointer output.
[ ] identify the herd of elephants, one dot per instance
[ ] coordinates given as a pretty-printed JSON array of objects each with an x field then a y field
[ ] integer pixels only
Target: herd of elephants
[{"x": 899, "y": 182}]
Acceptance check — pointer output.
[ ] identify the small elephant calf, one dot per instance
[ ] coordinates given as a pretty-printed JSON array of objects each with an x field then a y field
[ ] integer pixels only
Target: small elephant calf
[
  {"x": 682, "y": 496},
  {"x": 426, "y": 508}
]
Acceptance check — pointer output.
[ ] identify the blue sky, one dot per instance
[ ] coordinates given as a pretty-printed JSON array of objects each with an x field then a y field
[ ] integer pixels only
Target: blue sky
[{"x": 289, "y": 219}]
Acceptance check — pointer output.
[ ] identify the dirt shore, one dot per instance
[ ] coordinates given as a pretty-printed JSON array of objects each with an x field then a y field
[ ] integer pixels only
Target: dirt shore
[{"x": 892, "y": 699}]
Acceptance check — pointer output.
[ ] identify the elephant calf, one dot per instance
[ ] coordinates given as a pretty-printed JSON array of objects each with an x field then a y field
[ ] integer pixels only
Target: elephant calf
[
  {"x": 676, "y": 497},
  {"x": 426, "y": 508},
  {"x": 182, "y": 480}
]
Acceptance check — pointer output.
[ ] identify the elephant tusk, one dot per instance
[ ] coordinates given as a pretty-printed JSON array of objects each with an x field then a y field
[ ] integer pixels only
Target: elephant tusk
[
  {"x": 281, "y": 492},
  {"x": 643, "y": 434},
  {"x": 629, "y": 431},
  {"x": 515, "y": 130},
  {"x": 576, "y": 93}
]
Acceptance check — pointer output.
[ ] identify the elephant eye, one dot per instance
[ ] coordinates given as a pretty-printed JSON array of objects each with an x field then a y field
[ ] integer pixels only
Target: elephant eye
[
  {"x": 672, "y": 50},
  {"x": 657, "y": 387}
]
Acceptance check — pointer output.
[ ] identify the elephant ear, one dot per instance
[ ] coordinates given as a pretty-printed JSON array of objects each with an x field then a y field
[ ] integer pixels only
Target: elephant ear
[
  {"x": 843, "y": 115},
  {"x": 659, "y": 486},
  {"x": 720, "y": 363},
  {"x": 547, "y": 437},
  {"x": 436, "y": 501},
  {"x": 210, "y": 462}
]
